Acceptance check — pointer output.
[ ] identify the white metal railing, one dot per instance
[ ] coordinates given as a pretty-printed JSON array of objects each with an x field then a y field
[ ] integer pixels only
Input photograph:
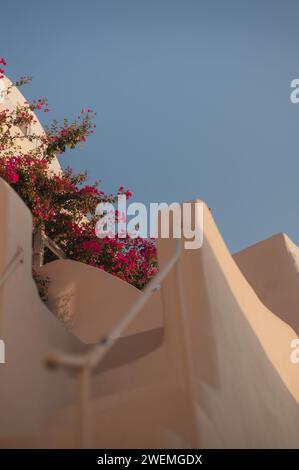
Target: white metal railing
[
  {"x": 84, "y": 364},
  {"x": 42, "y": 241},
  {"x": 11, "y": 266}
]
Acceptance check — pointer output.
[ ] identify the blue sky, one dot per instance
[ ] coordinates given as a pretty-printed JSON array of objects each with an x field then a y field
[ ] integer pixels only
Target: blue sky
[{"x": 192, "y": 99}]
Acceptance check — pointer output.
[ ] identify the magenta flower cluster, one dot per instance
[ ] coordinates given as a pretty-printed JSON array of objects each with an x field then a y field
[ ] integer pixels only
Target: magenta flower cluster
[{"x": 64, "y": 204}]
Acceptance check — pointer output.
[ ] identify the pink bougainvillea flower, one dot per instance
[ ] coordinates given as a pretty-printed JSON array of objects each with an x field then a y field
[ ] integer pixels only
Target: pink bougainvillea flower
[
  {"x": 63, "y": 203},
  {"x": 13, "y": 177}
]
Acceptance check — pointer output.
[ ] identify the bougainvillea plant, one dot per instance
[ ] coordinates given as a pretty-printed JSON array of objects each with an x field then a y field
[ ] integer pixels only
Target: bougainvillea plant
[{"x": 62, "y": 202}]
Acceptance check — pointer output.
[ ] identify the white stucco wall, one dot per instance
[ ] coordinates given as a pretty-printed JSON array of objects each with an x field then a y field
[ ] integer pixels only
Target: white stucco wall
[{"x": 10, "y": 101}]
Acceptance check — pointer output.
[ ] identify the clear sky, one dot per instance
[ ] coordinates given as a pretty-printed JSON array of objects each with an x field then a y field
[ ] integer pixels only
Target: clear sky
[{"x": 193, "y": 99}]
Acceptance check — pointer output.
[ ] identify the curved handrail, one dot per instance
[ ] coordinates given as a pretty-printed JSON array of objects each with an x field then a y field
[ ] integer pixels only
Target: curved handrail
[
  {"x": 84, "y": 364},
  {"x": 92, "y": 358}
]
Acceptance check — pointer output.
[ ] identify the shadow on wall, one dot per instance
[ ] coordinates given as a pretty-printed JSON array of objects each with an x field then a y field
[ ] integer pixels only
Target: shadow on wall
[{"x": 245, "y": 386}]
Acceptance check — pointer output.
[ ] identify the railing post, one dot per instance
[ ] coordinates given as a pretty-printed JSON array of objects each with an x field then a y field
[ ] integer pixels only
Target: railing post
[
  {"x": 84, "y": 411},
  {"x": 38, "y": 248}
]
